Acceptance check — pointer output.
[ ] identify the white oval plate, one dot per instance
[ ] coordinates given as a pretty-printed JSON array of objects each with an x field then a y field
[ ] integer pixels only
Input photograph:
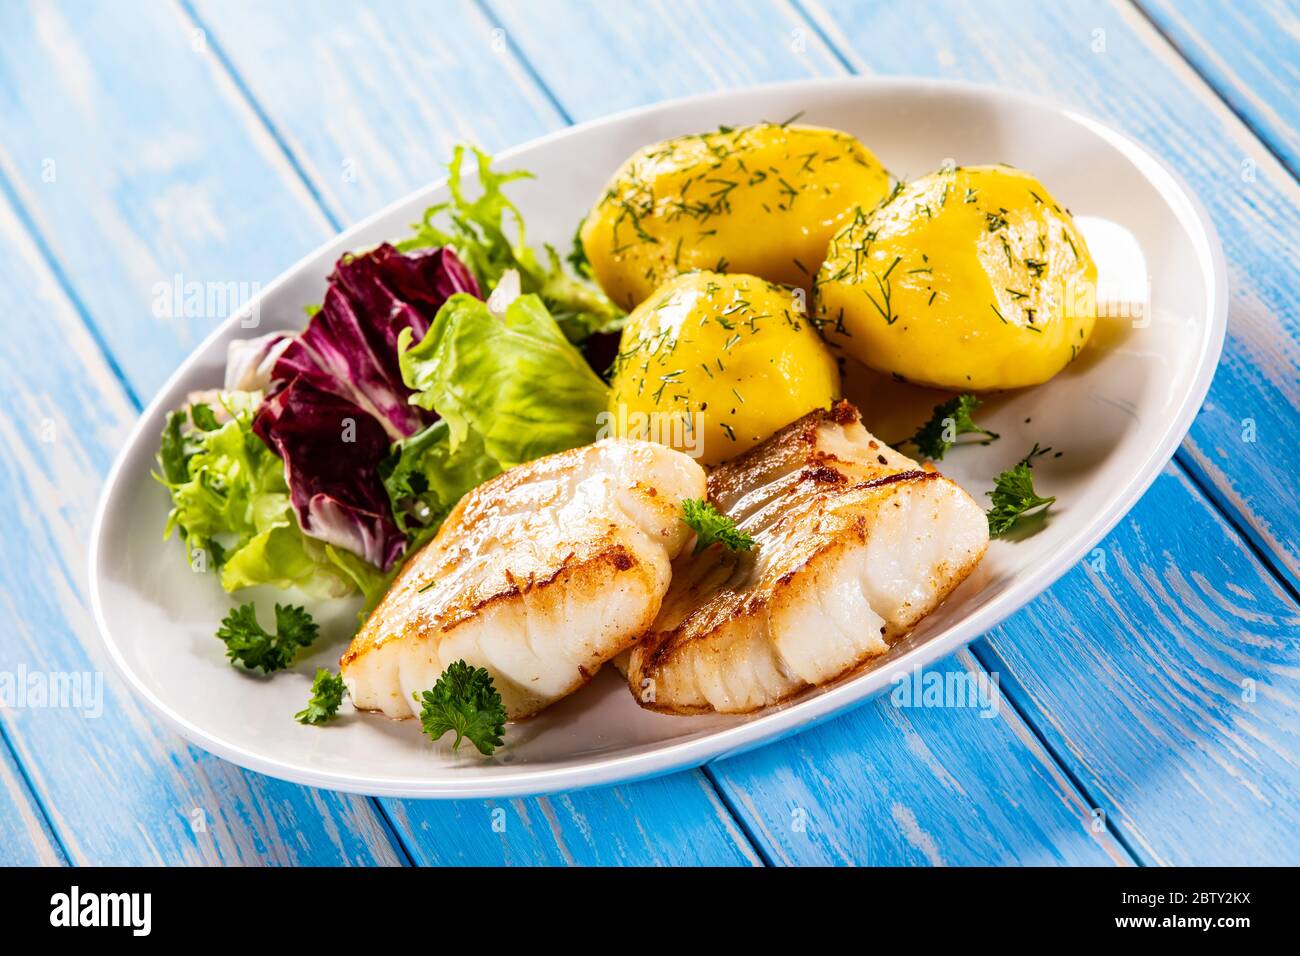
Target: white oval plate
[{"x": 1117, "y": 413}]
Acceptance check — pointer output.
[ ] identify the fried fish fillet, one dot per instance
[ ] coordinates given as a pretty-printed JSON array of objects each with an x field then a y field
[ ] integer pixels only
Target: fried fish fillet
[
  {"x": 540, "y": 575},
  {"x": 854, "y": 544}
]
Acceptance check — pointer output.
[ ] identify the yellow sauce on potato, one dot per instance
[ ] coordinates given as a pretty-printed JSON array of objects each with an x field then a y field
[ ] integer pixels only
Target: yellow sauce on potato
[
  {"x": 761, "y": 200},
  {"x": 713, "y": 364},
  {"x": 970, "y": 278}
]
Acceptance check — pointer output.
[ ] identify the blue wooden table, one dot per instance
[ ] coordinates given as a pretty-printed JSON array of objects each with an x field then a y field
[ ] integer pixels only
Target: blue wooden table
[{"x": 1150, "y": 701}]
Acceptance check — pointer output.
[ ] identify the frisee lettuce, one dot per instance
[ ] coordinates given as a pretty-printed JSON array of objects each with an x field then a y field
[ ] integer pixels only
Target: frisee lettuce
[{"x": 478, "y": 231}]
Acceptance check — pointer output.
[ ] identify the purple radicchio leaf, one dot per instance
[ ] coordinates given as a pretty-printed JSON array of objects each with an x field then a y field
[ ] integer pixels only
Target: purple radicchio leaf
[
  {"x": 331, "y": 451},
  {"x": 337, "y": 398},
  {"x": 250, "y": 363},
  {"x": 349, "y": 347}
]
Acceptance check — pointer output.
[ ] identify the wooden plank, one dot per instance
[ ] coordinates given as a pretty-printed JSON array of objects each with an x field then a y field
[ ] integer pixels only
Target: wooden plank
[
  {"x": 201, "y": 162},
  {"x": 668, "y": 821},
  {"x": 1008, "y": 44},
  {"x": 646, "y": 52},
  {"x": 1165, "y": 671},
  {"x": 25, "y": 837},
  {"x": 115, "y": 788},
  {"x": 140, "y": 164},
  {"x": 1250, "y": 54},
  {"x": 373, "y": 109}
]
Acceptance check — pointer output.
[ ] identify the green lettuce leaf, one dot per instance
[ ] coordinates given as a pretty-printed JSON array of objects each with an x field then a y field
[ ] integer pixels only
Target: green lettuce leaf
[
  {"x": 231, "y": 507},
  {"x": 425, "y": 478},
  {"x": 477, "y": 230},
  {"x": 284, "y": 557},
  {"x": 516, "y": 382},
  {"x": 507, "y": 390}
]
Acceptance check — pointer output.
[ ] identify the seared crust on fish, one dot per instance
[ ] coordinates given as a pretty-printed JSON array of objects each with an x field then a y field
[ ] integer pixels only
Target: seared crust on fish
[
  {"x": 854, "y": 544},
  {"x": 541, "y": 575}
]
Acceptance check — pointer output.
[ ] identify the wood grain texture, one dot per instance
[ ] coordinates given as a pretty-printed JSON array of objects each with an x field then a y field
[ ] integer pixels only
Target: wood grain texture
[
  {"x": 372, "y": 109},
  {"x": 125, "y": 140},
  {"x": 1165, "y": 672},
  {"x": 646, "y": 52},
  {"x": 218, "y": 236},
  {"x": 1009, "y": 44},
  {"x": 25, "y": 838},
  {"x": 116, "y": 789},
  {"x": 1250, "y": 54},
  {"x": 669, "y": 821},
  {"x": 964, "y": 784}
]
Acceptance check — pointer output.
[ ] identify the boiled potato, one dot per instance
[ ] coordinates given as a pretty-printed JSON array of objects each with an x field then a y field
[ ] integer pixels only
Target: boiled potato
[
  {"x": 713, "y": 364},
  {"x": 969, "y": 278},
  {"x": 760, "y": 200}
]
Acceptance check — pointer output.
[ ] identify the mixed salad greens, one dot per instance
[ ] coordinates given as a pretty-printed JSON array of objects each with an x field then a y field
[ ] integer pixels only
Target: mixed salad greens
[
  {"x": 429, "y": 366},
  {"x": 507, "y": 387},
  {"x": 231, "y": 505}
]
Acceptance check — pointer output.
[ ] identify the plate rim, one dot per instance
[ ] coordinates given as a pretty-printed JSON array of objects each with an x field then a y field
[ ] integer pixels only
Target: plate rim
[{"x": 781, "y": 721}]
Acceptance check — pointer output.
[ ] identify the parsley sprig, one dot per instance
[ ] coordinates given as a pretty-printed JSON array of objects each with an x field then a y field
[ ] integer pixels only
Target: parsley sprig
[
  {"x": 949, "y": 420},
  {"x": 1014, "y": 496},
  {"x": 249, "y": 644},
  {"x": 465, "y": 702},
  {"x": 710, "y": 525},
  {"x": 327, "y": 692}
]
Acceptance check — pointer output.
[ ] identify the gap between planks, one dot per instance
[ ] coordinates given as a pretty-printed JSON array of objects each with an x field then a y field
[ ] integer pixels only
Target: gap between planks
[
  {"x": 31, "y": 809},
  {"x": 1140, "y": 7}
]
